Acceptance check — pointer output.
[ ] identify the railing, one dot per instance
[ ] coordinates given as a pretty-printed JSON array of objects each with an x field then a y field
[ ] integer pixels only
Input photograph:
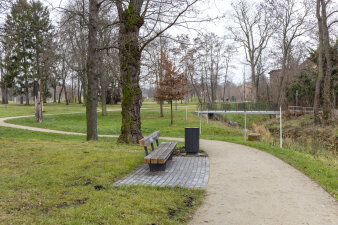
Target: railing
[
  {"x": 238, "y": 106},
  {"x": 300, "y": 109}
]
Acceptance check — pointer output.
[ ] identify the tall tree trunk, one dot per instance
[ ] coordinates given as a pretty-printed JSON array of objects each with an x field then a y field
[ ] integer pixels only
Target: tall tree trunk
[
  {"x": 4, "y": 93},
  {"x": 160, "y": 74},
  {"x": 45, "y": 90},
  {"x": 283, "y": 78},
  {"x": 92, "y": 71},
  {"x": 72, "y": 96},
  {"x": 65, "y": 89},
  {"x": 79, "y": 91},
  {"x": 320, "y": 66},
  {"x": 161, "y": 109},
  {"x": 253, "y": 83},
  {"x": 327, "y": 106},
  {"x": 225, "y": 78},
  {"x": 84, "y": 92},
  {"x": 26, "y": 91},
  {"x": 196, "y": 90},
  {"x": 80, "y": 94},
  {"x": 104, "y": 100},
  {"x": 171, "y": 113},
  {"x": 60, "y": 94},
  {"x": 130, "y": 57},
  {"x": 38, "y": 101},
  {"x": 54, "y": 94}
]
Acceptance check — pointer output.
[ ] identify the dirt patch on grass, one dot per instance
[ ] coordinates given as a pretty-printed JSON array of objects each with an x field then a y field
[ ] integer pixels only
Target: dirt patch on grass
[
  {"x": 171, "y": 213},
  {"x": 61, "y": 205},
  {"x": 181, "y": 152},
  {"x": 189, "y": 201}
]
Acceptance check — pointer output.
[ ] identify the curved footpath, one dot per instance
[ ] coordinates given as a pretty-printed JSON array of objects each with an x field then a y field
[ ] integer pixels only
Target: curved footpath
[{"x": 249, "y": 186}]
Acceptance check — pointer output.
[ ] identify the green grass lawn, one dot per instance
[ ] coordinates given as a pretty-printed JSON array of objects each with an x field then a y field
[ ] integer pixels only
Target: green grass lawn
[
  {"x": 50, "y": 108},
  {"x": 58, "y": 179},
  {"x": 151, "y": 122},
  {"x": 250, "y": 118},
  {"x": 14, "y": 109},
  {"x": 323, "y": 170}
]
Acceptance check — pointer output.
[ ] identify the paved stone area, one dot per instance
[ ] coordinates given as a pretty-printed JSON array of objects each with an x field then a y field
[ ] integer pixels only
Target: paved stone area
[{"x": 189, "y": 172}]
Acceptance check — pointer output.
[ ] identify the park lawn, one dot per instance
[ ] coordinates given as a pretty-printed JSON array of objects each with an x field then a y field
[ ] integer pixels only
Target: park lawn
[
  {"x": 322, "y": 169},
  {"x": 151, "y": 122},
  {"x": 58, "y": 179},
  {"x": 14, "y": 109},
  {"x": 250, "y": 118},
  {"x": 49, "y": 108}
]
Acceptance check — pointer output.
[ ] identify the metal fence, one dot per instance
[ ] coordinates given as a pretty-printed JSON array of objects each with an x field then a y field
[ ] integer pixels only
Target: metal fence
[
  {"x": 238, "y": 106},
  {"x": 300, "y": 109}
]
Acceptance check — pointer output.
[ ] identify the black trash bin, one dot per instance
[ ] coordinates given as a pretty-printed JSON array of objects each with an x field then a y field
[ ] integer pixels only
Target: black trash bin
[{"x": 192, "y": 140}]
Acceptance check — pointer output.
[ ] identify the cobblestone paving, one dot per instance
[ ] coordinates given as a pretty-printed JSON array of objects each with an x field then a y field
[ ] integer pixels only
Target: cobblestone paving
[{"x": 189, "y": 172}]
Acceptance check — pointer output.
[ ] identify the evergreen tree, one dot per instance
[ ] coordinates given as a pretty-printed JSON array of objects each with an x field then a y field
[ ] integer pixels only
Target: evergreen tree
[{"x": 27, "y": 36}]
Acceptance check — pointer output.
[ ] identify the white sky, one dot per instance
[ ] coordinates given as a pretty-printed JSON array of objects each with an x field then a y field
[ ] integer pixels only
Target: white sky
[{"x": 211, "y": 8}]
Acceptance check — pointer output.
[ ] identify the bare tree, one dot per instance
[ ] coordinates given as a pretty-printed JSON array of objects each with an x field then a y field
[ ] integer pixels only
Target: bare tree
[
  {"x": 132, "y": 16},
  {"x": 293, "y": 21},
  {"x": 210, "y": 54},
  {"x": 229, "y": 52},
  {"x": 320, "y": 64},
  {"x": 253, "y": 32},
  {"x": 327, "y": 106},
  {"x": 152, "y": 61},
  {"x": 92, "y": 69}
]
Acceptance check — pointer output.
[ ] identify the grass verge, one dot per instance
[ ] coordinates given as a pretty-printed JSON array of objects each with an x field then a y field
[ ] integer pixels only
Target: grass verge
[
  {"x": 58, "y": 179},
  {"x": 322, "y": 169}
]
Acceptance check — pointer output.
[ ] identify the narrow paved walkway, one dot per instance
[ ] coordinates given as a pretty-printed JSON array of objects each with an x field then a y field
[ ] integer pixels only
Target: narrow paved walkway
[
  {"x": 249, "y": 186},
  {"x": 189, "y": 172}
]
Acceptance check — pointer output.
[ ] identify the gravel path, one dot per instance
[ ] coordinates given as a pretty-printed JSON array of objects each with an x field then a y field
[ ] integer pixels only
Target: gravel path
[{"x": 249, "y": 186}]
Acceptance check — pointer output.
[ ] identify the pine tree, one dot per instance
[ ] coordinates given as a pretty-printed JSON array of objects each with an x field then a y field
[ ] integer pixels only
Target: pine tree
[
  {"x": 27, "y": 37},
  {"x": 18, "y": 43},
  {"x": 172, "y": 86}
]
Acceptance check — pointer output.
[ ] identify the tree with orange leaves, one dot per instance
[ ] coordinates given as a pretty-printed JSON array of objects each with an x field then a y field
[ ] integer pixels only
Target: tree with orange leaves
[{"x": 171, "y": 87}]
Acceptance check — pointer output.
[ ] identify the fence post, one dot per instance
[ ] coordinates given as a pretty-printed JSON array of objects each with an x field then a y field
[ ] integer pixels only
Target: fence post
[
  {"x": 200, "y": 125},
  {"x": 244, "y": 125},
  {"x": 186, "y": 112},
  {"x": 280, "y": 128}
]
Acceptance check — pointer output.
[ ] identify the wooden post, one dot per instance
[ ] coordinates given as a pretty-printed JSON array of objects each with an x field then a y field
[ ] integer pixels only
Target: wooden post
[
  {"x": 38, "y": 100},
  {"x": 186, "y": 112},
  {"x": 200, "y": 125},
  {"x": 244, "y": 125}
]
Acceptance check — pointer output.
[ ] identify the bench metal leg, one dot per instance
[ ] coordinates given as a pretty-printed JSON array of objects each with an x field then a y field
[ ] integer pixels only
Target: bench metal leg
[{"x": 157, "y": 167}]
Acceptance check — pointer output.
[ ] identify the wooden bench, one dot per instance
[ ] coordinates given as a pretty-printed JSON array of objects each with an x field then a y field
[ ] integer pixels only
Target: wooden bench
[{"x": 158, "y": 157}]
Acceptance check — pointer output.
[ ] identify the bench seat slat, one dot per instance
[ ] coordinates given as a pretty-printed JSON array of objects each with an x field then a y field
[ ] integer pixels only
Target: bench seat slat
[
  {"x": 159, "y": 152},
  {"x": 166, "y": 154},
  {"x": 149, "y": 158}
]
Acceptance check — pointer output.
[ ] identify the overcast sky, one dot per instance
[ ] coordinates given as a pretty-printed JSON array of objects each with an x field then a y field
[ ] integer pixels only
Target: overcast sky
[{"x": 210, "y": 8}]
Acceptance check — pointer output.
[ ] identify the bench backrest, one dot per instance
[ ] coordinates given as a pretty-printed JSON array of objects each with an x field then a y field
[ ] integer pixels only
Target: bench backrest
[{"x": 148, "y": 140}]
